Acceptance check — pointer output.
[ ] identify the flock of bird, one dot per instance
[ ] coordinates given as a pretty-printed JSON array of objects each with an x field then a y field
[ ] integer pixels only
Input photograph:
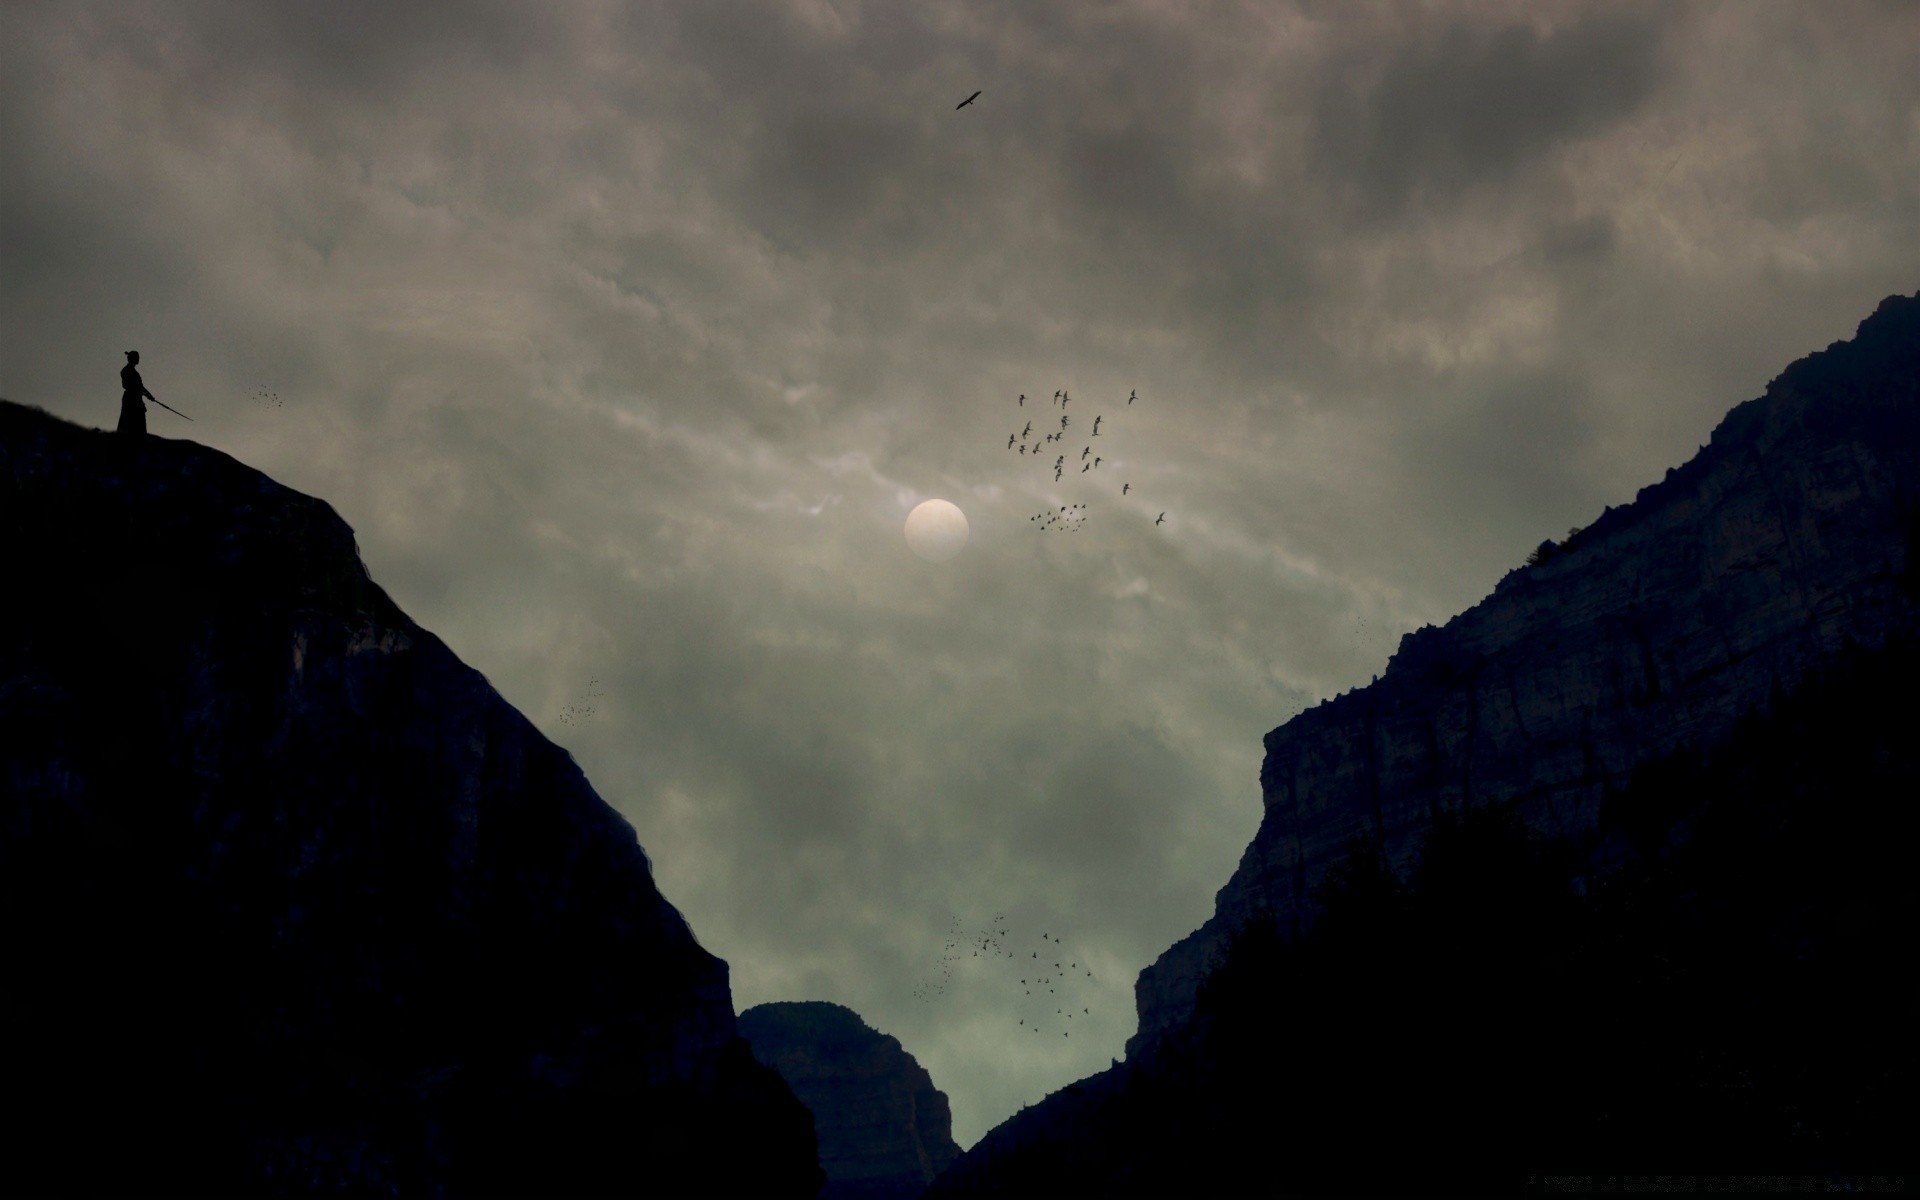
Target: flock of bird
[
  {"x": 1043, "y": 982},
  {"x": 577, "y": 714},
  {"x": 1070, "y": 517},
  {"x": 266, "y": 397}
]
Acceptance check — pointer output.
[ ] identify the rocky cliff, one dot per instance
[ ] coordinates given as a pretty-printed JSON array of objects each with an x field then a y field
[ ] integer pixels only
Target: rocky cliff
[
  {"x": 292, "y": 901},
  {"x": 884, "y": 1130},
  {"x": 1595, "y": 885},
  {"x": 1793, "y": 533}
]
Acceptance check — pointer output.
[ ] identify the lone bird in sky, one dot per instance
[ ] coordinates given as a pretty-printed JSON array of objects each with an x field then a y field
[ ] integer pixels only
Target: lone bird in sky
[
  {"x": 1163, "y": 517},
  {"x": 1123, "y": 487},
  {"x": 967, "y": 101}
]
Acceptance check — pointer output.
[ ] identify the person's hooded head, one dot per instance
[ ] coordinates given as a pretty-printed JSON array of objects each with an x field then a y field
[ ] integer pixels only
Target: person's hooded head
[{"x": 133, "y": 357}]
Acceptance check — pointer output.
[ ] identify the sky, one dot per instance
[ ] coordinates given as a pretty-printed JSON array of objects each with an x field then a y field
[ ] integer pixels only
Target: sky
[{"x": 626, "y": 336}]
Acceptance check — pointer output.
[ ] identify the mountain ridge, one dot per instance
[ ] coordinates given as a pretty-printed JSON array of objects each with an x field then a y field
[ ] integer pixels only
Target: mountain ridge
[
  {"x": 394, "y": 939},
  {"x": 1791, "y": 532}
]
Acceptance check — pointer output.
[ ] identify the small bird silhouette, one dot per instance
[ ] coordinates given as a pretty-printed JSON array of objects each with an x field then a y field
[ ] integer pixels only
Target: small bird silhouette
[
  {"x": 1130, "y": 395},
  {"x": 1163, "y": 517},
  {"x": 1123, "y": 487},
  {"x": 967, "y": 101},
  {"x": 1023, "y": 399}
]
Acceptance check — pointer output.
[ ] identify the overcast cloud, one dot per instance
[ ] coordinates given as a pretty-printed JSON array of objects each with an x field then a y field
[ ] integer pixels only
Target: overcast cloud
[{"x": 625, "y": 337}]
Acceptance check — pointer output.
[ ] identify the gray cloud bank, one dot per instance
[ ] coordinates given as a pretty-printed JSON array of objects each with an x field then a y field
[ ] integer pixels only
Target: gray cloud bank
[{"x": 626, "y": 336}]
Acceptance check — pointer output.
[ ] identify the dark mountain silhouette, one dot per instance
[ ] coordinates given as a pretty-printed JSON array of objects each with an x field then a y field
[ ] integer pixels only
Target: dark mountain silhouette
[
  {"x": 1611, "y": 874},
  {"x": 294, "y": 902},
  {"x": 883, "y": 1129}
]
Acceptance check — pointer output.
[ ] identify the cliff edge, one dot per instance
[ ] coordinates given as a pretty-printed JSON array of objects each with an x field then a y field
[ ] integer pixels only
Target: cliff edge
[
  {"x": 292, "y": 901},
  {"x": 1792, "y": 534}
]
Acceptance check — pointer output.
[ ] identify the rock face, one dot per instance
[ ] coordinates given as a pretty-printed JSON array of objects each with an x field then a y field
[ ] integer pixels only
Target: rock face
[
  {"x": 1793, "y": 533},
  {"x": 883, "y": 1129},
  {"x": 292, "y": 901}
]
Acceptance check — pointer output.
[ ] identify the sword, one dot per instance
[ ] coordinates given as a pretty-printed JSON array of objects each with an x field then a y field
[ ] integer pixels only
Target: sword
[{"x": 170, "y": 408}]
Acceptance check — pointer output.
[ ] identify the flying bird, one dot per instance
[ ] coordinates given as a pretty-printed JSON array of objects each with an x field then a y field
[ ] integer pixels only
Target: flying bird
[
  {"x": 1163, "y": 517},
  {"x": 1123, "y": 487},
  {"x": 967, "y": 101},
  {"x": 1130, "y": 396}
]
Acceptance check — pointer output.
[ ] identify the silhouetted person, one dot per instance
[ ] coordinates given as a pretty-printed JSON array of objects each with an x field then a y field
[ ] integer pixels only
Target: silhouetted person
[{"x": 133, "y": 409}]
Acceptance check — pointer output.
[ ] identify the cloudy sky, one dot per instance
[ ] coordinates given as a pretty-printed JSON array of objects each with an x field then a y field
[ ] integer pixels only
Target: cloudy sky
[{"x": 626, "y": 336}]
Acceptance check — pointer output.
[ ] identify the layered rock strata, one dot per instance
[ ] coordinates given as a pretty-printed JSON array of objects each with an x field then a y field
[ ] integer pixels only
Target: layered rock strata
[{"x": 1793, "y": 532}]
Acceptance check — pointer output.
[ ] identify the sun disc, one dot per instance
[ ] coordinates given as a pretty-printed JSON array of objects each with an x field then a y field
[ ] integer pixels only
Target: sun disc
[{"x": 936, "y": 530}]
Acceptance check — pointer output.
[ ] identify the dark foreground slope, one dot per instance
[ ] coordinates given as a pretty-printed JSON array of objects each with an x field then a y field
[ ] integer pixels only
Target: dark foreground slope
[
  {"x": 884, "y": 1130},
  {"x": 1611, "y": 875},
  {"x": 291, "y": 901}
]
